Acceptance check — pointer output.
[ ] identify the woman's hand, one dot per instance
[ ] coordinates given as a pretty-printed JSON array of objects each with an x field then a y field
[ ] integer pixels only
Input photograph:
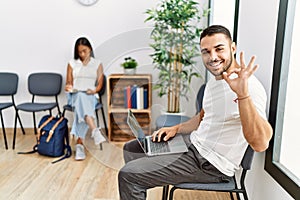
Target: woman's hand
[
  {"x": 68, "y": 88},
  {"x": 90, "y": 91},
  {"x": 165, "y": 132}
]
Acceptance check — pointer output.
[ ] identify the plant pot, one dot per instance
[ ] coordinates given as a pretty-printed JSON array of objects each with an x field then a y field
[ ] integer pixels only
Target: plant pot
[
  {"x": 170, "y": 119},
  {"x": 164, "y": 112},
  {"x": 129, "y": 70}
]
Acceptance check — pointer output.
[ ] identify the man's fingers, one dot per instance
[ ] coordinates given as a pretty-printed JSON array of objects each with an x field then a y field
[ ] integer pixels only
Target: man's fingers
[
  {"x": 242, "y": 60},
  {"x": 226, "y": 77},
  {"x": 255, "y": 68},
  {"x": 166, "y": 137},
  {"x": 154, "y": 134},
  {"x": 251, "y": 63}
]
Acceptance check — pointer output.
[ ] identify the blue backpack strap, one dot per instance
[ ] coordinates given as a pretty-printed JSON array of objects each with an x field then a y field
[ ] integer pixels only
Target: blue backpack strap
[
  {"x": 34, "y": 150},
  {"x": 67, "y": 147}
]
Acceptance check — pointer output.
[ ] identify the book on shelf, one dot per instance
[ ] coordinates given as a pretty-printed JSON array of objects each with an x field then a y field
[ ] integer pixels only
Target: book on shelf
[
  {"x": 127, "y": 97},
  {"x": 140, "y": 97},
  {"x": 145, "y": 98},
  {"x": 135, "y": 97}
]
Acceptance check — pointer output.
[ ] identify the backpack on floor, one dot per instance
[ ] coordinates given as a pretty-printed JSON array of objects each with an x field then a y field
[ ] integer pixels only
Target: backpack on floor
[{"x": 52, "y": 138}]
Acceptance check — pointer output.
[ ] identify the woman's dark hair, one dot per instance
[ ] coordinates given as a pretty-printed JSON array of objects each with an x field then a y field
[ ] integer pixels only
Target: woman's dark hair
[
  {"x": 214, "y": 29},
  {"x": 85, "y": 42}
]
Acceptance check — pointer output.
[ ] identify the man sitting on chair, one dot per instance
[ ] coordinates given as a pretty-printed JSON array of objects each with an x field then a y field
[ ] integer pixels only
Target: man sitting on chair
[{"x": 233, "y": 116}]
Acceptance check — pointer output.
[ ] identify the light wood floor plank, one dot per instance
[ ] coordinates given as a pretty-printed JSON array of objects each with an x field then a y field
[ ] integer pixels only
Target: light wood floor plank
[{"x": 33, "y": 177}]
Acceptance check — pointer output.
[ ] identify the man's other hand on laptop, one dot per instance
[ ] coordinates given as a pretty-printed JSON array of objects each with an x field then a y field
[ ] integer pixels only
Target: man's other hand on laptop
[{"x": 164, "y": 134}]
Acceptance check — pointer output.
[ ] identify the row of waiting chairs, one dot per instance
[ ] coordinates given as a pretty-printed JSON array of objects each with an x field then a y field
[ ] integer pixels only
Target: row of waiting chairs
[{"x": 42, "y": 84}]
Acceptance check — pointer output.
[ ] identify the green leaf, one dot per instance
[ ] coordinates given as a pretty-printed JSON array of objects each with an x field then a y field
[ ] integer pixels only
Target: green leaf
[{"x": 175, "y": 36}]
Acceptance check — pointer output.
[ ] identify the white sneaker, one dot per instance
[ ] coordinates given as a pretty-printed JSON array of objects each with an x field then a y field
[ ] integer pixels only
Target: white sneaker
[
  {"x": 80, "y": 154},
  {"x": 98, "y": 137}
]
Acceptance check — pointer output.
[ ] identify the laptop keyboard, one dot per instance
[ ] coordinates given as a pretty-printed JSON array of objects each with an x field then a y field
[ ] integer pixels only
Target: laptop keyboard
[{"x": 158, "y": 147}]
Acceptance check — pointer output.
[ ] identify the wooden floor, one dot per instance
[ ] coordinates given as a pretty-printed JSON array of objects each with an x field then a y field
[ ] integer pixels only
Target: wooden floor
[{"x": 34, "y": 177}]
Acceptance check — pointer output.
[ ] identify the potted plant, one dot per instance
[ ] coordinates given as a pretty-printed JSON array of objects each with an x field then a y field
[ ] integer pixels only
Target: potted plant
[
  {"x": 129, "y": 65},
  {"x": 175, "y": 43}
]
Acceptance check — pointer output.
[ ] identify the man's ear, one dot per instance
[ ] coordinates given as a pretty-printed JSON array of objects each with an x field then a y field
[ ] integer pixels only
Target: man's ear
[{"x": 233, "y": 47}]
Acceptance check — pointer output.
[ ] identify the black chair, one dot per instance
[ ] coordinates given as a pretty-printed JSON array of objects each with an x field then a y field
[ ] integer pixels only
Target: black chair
[
  {"x": 8, "y": 87},
  {"x": 98, "y": 107},
  {"x": 230, "y": 186},
  {"x": 171, "y": 120},
  {"x": 43, "y": 84}
]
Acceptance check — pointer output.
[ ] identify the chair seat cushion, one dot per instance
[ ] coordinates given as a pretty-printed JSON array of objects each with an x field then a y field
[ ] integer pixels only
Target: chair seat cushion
[
  {"x": 5, "y": 105},
  {"x": 224, "y": 186},
  {"x": 98, "y": 106},
  {"x": 36, "y": 107},
  {"x": 170, "y": 120},
  {"x": 68, "y": 107}
]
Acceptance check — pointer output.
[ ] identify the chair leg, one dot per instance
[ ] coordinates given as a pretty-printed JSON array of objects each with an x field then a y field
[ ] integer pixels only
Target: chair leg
[
  {"x": 245, "y": 195},
  {"x": 3, "y": 130},
  {"x": 172, "y": 193},
  {"x": 231, "y": 196},
  {"x": 97, "y": 117},
  {"x": 34, "y": 124},
  {"x": 104, "y": 121},
  {"x": 58, "y": 110},
  {"x": 23, "y": 131},
  {"x": 238, "y": 196},
  {"x": 165, "y": 192},
  {"x": 63, "y": 113},
  {"x": 15, "y": 130}
]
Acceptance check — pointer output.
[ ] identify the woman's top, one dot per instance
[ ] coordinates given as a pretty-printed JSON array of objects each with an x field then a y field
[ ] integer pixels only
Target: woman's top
[{"x": 84, "y": 76}]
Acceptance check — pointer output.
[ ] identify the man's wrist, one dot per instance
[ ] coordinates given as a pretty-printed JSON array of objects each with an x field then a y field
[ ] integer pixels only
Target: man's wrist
[{"x": 241, "y": 98}]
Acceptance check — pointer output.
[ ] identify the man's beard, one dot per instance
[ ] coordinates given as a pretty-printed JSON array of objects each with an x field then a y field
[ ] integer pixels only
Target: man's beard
[{"x": 225, "y": 68}]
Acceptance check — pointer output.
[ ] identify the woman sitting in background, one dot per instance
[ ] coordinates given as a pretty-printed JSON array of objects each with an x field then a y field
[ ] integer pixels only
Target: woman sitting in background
[{"x": 84, "y": 81}]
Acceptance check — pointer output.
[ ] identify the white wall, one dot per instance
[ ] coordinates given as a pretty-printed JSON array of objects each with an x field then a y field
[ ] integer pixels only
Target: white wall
[
  {"x": 39, "y": 36},
  {"x": 256, "y": 36}
]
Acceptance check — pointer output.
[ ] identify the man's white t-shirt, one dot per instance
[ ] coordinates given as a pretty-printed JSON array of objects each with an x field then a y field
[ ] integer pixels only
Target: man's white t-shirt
[{"x": 219, "y": 137}]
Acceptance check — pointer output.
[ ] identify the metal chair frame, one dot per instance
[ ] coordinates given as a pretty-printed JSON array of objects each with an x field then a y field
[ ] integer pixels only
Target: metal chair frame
[
  {"x": 44, "y": 84},
  {"x": 230, "y": 187},
  {"x": 8, "y": 87}
]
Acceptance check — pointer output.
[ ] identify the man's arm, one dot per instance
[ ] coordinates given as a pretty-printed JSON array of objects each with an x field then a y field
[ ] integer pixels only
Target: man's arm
[
  {"x": 185, "y": 127},
  {"x": 257, "y": 130},
  {"x": 192, "y": 124}
]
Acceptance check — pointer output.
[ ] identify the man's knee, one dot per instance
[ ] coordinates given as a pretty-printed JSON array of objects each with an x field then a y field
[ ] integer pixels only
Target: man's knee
[
  {"x": 124, "y": 175},
  {"x": 121, "y": 176},
  {"x": 126, "y": 146},
  {"x": 130, "y": 146}
]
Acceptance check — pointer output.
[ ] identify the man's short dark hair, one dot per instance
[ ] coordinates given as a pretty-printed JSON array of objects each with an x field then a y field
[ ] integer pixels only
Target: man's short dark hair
[{"x": 214, "y": 29}]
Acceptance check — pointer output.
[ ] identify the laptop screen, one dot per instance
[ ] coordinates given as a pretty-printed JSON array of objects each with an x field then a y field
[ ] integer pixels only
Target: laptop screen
[{"x": 135, "y": 127}]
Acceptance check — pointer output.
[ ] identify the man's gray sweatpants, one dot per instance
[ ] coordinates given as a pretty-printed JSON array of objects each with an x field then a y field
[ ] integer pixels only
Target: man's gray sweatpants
[{"x": 142, "y": 172}]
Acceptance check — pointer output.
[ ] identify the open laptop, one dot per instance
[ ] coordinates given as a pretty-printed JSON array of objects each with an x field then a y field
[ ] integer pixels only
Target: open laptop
[
  {"x": 74, "y": 90},
  {"x": 174, "y": 145}
]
